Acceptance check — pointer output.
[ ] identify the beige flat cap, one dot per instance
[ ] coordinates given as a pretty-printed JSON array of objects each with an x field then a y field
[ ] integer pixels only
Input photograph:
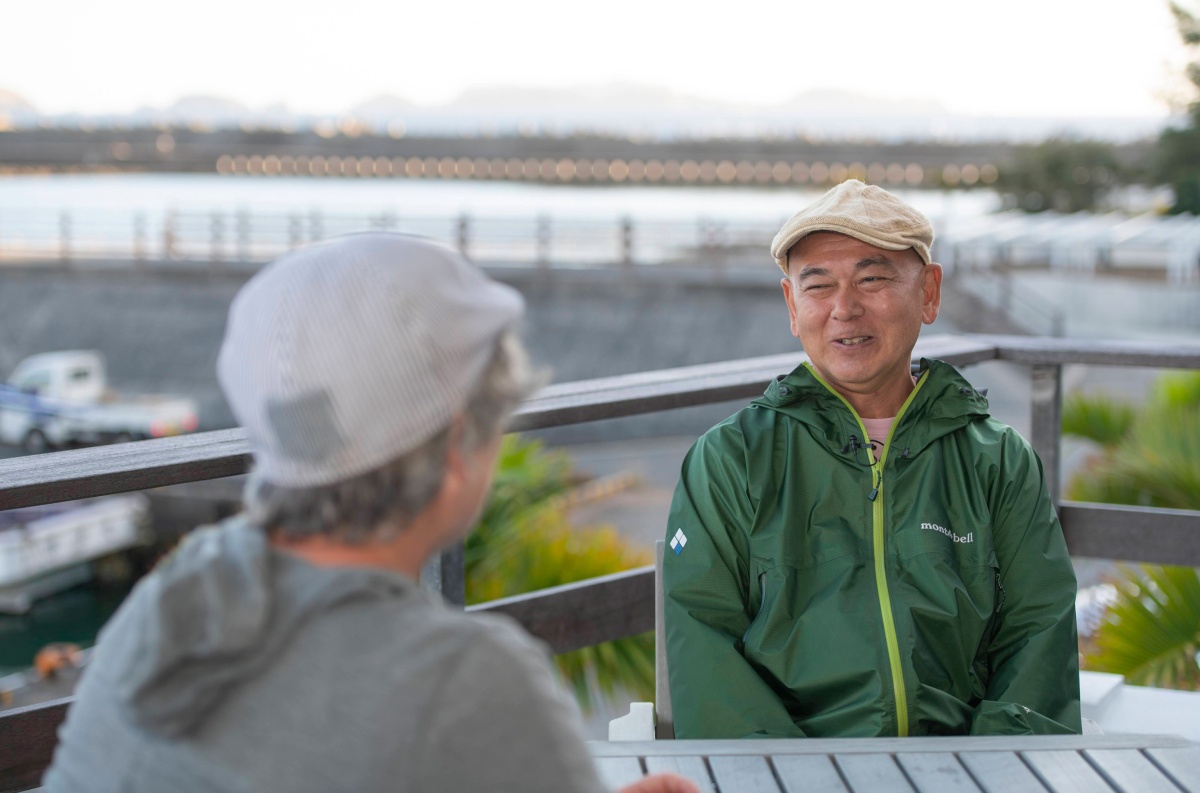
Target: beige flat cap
[{"x": 865, "y": 212}]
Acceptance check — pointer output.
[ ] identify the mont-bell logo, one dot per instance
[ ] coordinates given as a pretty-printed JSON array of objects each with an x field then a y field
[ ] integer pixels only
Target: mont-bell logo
[
  {"x": 678, "y": 541},
  {"x": 968, "y": 537}
]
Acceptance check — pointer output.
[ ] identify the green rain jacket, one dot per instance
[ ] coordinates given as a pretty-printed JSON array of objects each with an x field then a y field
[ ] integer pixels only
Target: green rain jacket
[{"x": 812, "y": 590}]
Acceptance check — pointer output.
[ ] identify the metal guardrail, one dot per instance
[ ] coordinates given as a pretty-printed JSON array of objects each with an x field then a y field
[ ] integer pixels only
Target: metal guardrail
[
  {"x": 613, "y": 607},
  {"x": 245, "y": 239}
]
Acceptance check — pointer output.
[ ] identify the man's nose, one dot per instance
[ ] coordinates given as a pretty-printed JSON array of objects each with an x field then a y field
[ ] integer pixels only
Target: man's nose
[{"x": 846, "y": 306}]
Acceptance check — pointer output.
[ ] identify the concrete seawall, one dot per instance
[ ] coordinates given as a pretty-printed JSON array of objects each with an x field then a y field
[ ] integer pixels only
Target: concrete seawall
[{"x": 161, "y": 331}]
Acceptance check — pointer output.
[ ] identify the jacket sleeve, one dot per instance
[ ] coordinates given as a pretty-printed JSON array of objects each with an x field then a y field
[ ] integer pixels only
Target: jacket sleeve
[
  {"x": 715, "y": 692},
  {"x": 1033, "y": 657}
]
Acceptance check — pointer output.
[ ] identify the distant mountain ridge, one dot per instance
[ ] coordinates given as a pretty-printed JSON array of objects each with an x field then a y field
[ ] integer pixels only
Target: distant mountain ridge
[
  {"x": 11, "y": 101},
  {"x": 615, "y": 96},
  {"x": 622, "y": 108}
]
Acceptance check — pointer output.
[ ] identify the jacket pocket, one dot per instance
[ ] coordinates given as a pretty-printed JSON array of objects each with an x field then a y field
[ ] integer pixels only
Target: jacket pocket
[
  {"x": 765, "y": 568},
  {"x": 980, "y": 666}
]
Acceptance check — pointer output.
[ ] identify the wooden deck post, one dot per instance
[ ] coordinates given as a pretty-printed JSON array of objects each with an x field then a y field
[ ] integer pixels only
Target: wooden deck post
[{"x": 1046, "y": 419}]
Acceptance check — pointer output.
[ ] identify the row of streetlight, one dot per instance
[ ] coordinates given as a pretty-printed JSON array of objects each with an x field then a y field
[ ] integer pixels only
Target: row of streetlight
[{"x": 653, "y": 171}]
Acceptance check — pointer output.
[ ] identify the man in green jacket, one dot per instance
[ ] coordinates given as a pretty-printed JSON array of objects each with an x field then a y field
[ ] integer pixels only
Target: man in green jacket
[{"x": 864, "y": 551}]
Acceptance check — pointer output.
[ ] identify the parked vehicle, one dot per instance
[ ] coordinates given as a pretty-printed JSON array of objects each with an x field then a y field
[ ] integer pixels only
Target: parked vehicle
[{"x": 62, "y": 398}]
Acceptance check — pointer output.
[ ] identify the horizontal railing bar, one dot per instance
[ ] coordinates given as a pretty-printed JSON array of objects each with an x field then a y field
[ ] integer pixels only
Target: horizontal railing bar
[
  {"x": 585, "y": 613},
  {"x": 644, "y": 392},
  {"x": 104, "y": 470},
  {"x": 1132, "y": 534},
  {"x": 82, "y": 473},
  {"x": 1040, "y": 350},
  {"x": 28, "y": 736}
]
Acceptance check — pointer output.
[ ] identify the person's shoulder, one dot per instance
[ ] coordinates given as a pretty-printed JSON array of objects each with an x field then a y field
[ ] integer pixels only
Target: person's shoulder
[
  {"x": 737, "y": 432},
  {"x": 504, "y": 641},
  {"x": 995, "y": 436},
  {"x": 452, "y": 634}
]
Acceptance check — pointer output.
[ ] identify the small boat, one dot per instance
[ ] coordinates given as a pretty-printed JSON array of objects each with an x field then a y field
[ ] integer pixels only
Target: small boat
[{"x": 50, "y": 548}]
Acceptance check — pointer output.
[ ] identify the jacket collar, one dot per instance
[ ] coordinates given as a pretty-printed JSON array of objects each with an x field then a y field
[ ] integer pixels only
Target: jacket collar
[{"x": 944, "y": 403}]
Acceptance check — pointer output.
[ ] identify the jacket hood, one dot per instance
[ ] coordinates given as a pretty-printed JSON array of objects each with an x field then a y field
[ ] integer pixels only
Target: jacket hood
[
  {"x": 944, "y": 402},
  {"x": 216, "y": 612}
]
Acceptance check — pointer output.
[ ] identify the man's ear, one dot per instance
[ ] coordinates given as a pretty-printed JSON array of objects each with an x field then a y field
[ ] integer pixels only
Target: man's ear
[
  {"x": 789, "y": 295},
  {"x": 454, "y": 472},
  {"x": 931, "y": 292}
]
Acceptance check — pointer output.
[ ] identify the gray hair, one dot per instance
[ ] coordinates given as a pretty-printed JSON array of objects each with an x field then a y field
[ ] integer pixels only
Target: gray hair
[{"x": 354, "y": 510}]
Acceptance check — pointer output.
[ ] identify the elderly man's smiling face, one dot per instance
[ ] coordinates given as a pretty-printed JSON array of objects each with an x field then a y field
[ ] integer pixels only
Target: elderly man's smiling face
[{"x": 858, "y": 310}]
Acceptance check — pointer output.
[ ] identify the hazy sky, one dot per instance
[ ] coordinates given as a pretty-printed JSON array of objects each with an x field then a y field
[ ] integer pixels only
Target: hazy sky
[{"x": 1016, "y": 57}]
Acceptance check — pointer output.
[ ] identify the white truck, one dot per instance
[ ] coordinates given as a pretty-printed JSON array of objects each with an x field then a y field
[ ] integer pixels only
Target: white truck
[{"x": 62, "y": 399}]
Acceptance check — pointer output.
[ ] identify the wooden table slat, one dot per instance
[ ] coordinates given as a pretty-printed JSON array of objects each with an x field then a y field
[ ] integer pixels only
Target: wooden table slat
[
  {"x": 1181, "y": 764},
  {"x": 1066, "y": 772},
  {"x": 808, "y": 773},
  {"x": 872, "y": 773},
  {"x": 1000, "y": 772},
  {"x": 936, "y": 772},
  {"x": 692, "y": 768},
  {"x": 744, "y": 774},
  {"x": 617, "y": 772},
  {"x": 1130, "y": 771}
]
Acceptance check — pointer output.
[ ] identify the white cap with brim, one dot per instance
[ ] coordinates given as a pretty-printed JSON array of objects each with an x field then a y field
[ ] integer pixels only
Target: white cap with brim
[
  {"x": 865, "y": 212},
  {"x": 342, "y": 356}
]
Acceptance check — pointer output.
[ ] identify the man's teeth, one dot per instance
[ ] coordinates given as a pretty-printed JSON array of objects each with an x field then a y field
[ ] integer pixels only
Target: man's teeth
[{"x": 855, "y": 340}]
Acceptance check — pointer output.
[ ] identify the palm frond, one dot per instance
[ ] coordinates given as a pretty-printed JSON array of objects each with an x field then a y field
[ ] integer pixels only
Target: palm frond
[
  {"x": 1157, "y": 465},
  {"x": 525, "y": 542},
  {"x": 1177, "y": 389},
  {"x": 1151, "y": 633},
  {"x": 1099, "y": 418}
]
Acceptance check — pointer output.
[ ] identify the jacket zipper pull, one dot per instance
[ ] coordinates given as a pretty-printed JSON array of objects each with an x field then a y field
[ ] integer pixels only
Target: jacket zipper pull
[{"x": 875, "y": 490}]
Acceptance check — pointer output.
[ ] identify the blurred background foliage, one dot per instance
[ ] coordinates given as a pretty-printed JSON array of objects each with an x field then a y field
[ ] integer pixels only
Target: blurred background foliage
[
  {"x": 1146, "y": 457},
  {"x": 525, "y": 541},
  {"x": 1065, "y": 175},
  {"x": 1178, "y": 160}
]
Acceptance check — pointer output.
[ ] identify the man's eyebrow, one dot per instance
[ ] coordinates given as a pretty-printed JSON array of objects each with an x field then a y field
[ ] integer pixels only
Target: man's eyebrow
[
  {"x": 876, "y": 261},
  {"x": 862, "y": 264}
]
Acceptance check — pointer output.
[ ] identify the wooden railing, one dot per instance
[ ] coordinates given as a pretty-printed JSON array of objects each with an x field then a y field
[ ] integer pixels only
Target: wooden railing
[{"x": 616, "y": 606}]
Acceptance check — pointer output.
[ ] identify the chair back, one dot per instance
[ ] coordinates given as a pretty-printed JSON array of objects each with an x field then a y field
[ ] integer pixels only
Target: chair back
[{"x": 664, "y": 725}]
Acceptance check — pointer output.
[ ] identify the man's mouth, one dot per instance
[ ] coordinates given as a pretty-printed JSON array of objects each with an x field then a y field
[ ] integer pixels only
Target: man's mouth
[{"x": 853, "y": 341}]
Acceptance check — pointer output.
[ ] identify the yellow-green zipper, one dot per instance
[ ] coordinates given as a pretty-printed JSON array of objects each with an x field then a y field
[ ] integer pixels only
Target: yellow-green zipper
[{"x": 881, "y": 586}]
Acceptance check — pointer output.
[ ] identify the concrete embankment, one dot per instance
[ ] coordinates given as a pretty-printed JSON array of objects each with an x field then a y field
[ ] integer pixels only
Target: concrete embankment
[{"x": 160, "y": 329}]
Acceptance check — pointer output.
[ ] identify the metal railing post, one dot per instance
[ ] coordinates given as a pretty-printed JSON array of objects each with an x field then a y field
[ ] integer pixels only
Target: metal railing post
[
  {"x": 627, "y": 241},
  {"x": 139, "y": 237},
  {"x": 216, "y": 228},
  {"x": 444, "y": 574},
  {"x": 169, "y": 222},
  {"x": 1045, "y": 382},
  {"x": 64, "y": 236},
  {"x": 464, "y": 234},
  {"x": 295, "y": 231},
  {"x": 543, "y": 241},
  {"x": 243, "y": 235}
]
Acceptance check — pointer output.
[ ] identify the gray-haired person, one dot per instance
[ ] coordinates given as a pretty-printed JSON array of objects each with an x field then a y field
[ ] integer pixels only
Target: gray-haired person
[{"x": 288, "y": 648}]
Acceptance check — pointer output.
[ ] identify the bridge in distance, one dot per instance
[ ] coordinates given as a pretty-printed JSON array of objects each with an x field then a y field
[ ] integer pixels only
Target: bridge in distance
[{"x": 554, "y": 159}]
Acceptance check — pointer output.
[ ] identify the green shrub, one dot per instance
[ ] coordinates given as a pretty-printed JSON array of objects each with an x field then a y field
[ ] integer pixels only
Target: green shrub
[{"x": 525, "y": 542}]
